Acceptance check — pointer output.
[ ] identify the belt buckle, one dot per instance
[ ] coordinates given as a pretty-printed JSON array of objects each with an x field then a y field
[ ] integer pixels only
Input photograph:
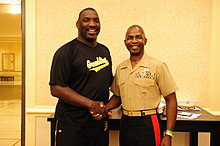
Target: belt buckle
[{"x": 142, "y": 113}]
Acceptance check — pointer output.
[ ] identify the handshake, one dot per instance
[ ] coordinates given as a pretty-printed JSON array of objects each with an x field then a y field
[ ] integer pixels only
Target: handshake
[{"x": 99, "y": 110}]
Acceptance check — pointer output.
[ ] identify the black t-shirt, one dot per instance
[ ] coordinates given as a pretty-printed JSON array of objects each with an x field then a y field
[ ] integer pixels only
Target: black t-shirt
[{"x": 86, "y": 70}]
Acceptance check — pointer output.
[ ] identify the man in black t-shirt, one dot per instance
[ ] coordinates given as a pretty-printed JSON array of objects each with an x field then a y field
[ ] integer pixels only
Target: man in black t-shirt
[{"x": 80, "y": 77}]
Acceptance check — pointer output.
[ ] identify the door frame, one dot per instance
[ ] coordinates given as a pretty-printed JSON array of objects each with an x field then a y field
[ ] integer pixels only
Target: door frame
[{"x": 23, "y": 116}]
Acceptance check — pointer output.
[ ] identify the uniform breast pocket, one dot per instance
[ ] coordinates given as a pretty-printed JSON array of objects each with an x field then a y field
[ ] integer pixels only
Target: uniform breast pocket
[
  {"x": 144, "y": 87},
  {"x": 122, "y": 87},
  {"x": 121, "y": 82},
  {"x": 144, "y": 82}
]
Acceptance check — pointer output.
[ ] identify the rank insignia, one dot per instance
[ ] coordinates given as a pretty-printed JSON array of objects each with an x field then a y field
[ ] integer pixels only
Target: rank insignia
[{"x": 145, "y": 74}]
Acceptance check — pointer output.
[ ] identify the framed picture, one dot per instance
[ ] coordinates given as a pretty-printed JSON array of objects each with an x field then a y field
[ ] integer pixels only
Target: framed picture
[{"x": 8, "y": 61}]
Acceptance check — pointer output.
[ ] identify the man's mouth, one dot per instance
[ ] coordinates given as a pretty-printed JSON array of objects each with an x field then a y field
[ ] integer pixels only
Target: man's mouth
[
  {"x": 134, "y": 47},
  {"x": 92, "y": 31}
]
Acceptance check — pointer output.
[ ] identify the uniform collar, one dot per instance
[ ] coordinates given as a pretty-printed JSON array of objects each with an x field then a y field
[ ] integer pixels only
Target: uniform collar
[{"x": 142, "y": 63}]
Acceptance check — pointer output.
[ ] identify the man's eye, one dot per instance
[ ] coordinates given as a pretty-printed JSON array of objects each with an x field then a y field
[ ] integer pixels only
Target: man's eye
[
  {"x": 85, "y": 20},
  {"x": 129, "y": 38},
  {"x": 96, "y": 20},
  {"x": 139, "y": 37}
]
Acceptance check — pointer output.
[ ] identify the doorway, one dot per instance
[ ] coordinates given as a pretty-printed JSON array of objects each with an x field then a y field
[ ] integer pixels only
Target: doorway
[{"x": 10, "y": 73}]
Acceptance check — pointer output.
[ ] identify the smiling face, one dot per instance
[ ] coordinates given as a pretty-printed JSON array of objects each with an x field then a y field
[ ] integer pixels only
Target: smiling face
[
  {"x": 88, "y": 26},
  {"x": 135, "y": 40}
]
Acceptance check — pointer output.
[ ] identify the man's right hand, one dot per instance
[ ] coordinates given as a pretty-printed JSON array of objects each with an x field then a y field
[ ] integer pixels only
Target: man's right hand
[
  {"x": 97, "y": 108},
  {"x": 102, "y": 114}
]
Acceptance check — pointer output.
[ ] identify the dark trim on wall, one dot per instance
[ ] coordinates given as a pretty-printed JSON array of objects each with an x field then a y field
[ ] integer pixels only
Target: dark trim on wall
[{"x": 23, "y": 101}]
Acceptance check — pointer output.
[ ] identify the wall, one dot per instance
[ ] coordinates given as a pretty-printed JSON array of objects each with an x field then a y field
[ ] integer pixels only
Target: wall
[
  {"x": 11, "y": 45},
  {"x": 181, "y": 33},
  {"x": 178, "y": 32},
  {"x": 214, "y": 96}
]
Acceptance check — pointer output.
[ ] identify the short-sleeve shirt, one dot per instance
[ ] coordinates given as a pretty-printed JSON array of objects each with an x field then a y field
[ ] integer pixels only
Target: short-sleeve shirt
[
  {"x": 86, "y": 70},
  {"x": 142, "y": 87}
]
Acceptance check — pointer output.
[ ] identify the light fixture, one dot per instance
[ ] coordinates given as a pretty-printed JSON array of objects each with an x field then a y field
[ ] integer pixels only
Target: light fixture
[
  {"x": 10, "y": 9},
  {"x": 15, "y": 9},
  {"x": 10, "y": 2}
]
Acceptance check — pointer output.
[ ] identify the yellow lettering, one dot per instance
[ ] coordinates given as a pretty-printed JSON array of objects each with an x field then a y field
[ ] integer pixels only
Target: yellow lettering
[{"x": 97, "y": 65}]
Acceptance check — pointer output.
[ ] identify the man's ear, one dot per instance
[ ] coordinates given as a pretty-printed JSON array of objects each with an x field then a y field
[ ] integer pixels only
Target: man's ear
[
  {"x": 145, "y": 41},
  {"x": 77, "y": 24}
]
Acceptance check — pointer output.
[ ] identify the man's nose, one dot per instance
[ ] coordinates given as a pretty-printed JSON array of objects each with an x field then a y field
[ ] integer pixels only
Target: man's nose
[
  {"x": 92, "y": 23},
  {"x": 134, "y": 40}
]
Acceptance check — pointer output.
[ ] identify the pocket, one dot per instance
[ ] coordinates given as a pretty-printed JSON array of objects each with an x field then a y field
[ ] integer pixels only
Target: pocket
[
  {"x": 121, "y": 81},
  {"x": 122, "y": 86},
  {"x": 144, "y": 82},
  {"x": 144, "y": 88}
]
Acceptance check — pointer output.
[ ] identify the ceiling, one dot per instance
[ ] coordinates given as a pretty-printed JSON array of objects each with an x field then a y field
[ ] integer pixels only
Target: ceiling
[{"x": 10, "y": 1}]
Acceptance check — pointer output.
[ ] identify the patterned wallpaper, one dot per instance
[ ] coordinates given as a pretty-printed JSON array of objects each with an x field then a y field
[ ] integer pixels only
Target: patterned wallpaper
[{"x": 178, "y": 33}]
